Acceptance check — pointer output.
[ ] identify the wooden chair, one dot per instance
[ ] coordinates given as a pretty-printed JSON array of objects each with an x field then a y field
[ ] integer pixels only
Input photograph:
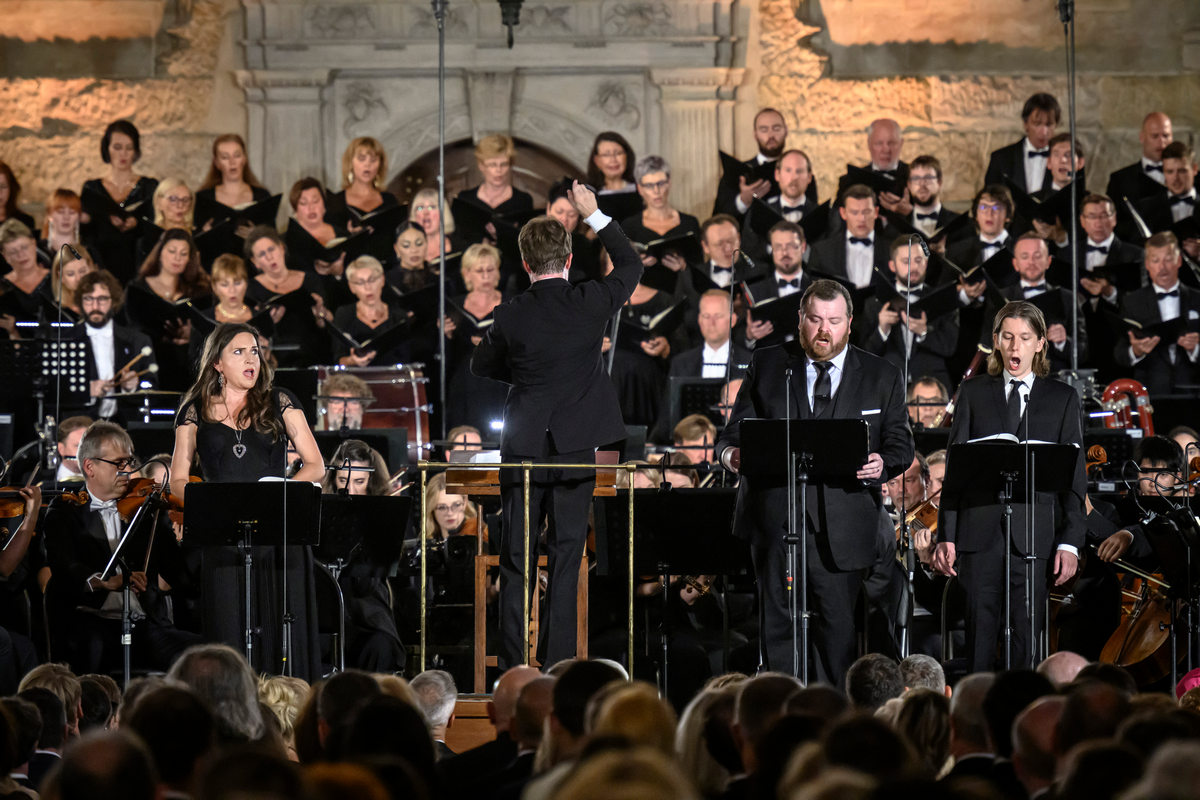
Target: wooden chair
[{"x": 477, "y": 483}]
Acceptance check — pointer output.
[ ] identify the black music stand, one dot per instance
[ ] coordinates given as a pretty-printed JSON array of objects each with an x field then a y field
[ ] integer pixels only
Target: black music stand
[
  {"x": 790, "y": 453},
  {"x": 250, "y": 515},
  {"x": 391, "y": 443},
  {"x": 1003, "y": 471},
  {"x": 686, "y": 396},
  {"x": 359, "y": 525}
]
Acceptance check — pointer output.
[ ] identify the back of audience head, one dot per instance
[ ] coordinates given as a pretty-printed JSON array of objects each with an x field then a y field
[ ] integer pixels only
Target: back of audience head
[
  {"x": 1037, "y": 742},
  {"x": 1093, "y": 710},
  {"x": 59, "y": 679},
  {"x": 818, "y": 700},
  {"x": 924, "y": 722},
  {"x": 704, "y": 745},
  {"x": 178, "y": 728},
  {"x": 96, "y": 705},
  {"x": 436, "y": 697},
  {"x": 220, "y": 676},
  {"x": 284, "y": 696},
  {"x": 27, "y": 727},
  {"x": 338, "y": 698},
  {"x": 105, "y": 765},
  {"x": 339, "y": 781},
  {"x": 968, "y": 722},
  {"x": 923, "y": 672},
  {"x": 1096, "y": 770},
  {"x": 1148, "y": 731},
  {"x": 626, "y": 775},
  {"x": 872, "y": 680},
  {"x": 532, "y": 708},
  {"x": 251, "y": 772},
  {"x": 1008, "y": 695},
  {"x": 134, "y": 690},
  {"x": 760, "y": 701},
  {"x": 10, "y": 750},
  {"x": 1172, "y": 773},
  {"x": 1062, "y": 667},
  {"x": 575, "y": 686},
  {"x": 869, "y": 745},
  {"x": 53, "y": 734},
  {"x": 635, "y": 712},
  {"x": 1115, "y": 676},
  {"x": 385, "y": 726}
]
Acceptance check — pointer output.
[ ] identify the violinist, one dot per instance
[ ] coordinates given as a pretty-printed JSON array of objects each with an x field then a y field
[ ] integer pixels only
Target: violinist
[
  {"x": 80, "y": 540},
  {"x": 68, "y": 436},
  {"x": 1161, "y": 468},
  {"x": 17, "y": 653},
  {"x": 373, "y": 642},
  {"x": 927, "y": 397}
]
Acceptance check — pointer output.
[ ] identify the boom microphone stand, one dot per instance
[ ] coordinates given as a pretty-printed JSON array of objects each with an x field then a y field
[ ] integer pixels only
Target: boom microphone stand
[
  {"x": 439, "y": 14},
  {"x": 1066, "y": 13}
]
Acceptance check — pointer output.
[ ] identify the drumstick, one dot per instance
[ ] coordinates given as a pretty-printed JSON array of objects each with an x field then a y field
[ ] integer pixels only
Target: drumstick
[
  {"x": 150, "y": 369},
  {"x": 144, "y": 352}
]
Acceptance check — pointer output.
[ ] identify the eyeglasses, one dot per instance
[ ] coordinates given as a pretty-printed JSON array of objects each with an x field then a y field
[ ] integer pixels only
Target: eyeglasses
[
  {"x": 179, "y": 201},
  {"x": 127, "y": 464},
  {"x": 657, "y": 186},
  {"x": 922, "y": 178},
  {"x": 425, "y": 208},
  {"x": 452, "y": 508},
  {"x": 367, "y": 281},
  {"x": 610, "y": 153},
  {"x": 993, "y": 207},
  {"x": 98, "y": 300}
]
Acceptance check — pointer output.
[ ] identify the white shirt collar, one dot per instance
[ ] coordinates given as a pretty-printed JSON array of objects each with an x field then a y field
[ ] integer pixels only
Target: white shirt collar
[
  {"x": 105, "y": 330},
  {"x": 936, "y": 208},
  {"x": 1029, "y": 148},
  {"x": 1027, "y": 380},
  {"x": 895, "y": 165},
  {"x": 713, "y": 356},
  {"x": 1189, "y": 193},
  {"x": 1000, "y": 239},
  {"x": 783, "y": 202},
  {"x": 838, "y": 361},
  {"x": 1106, "y": 243},
  {"x": 761, "y": 159},
  {"x": 1148, "y": 163},
  {"x": 1041, "y": 282},
  {"x": 870, "y": 236},
  {"x": 1159, "y": 291}
]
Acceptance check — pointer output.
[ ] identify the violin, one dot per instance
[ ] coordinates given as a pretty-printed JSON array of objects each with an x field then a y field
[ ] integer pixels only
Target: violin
[
  {"x": 140, "y": 490},
  {"x": 12, "y": 504},
  {"x": 921, "y": 517}
]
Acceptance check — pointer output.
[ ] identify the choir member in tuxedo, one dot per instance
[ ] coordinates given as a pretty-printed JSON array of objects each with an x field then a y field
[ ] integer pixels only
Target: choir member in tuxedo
[
  {"x": 230, "y": 182},
  {"x": 1177, "y": 201},
  {"x": 770, "y": 134},
  {"x": 1024, "y": 161},
  {"x": 115, "y": 236},
  {"x": 1061, "y": 169},
  {"x": 992, "y": 209},
  {"x": 659, "y": 219},
  {"x": 368, "y": 317},
  {"x": 561, "y": 406},
  {"x": 610, "y": 164},
  {"x": 716, "y": 329},
  {"x": 299, "y": 339},
  {"x": 1031, "y": 259},
  {"x": 28, "y": 280},
  {"x": 927, "y": 397},
  {"x": 794, "y": 175},
  {"x": 113, "y": 346},
  {"x": 80, "y": 540},
  {"x": 884, "y": 142},
  {"x": 308, "y": 233},
  {"x": 920, "y": 343},
  {"x": 1162, "y": 365},
  {"x": 364, "y": 174},
  {"x": 721, "y": 241},
  {"x": 1139, "y": 179},
  {"x": 789, "y": 277},
  {"x": 923, "y": 207},
  {"x": 1013, "y": 397},
  {"x": 831, "y": 379},
  {"x": 852, "y": 252}
]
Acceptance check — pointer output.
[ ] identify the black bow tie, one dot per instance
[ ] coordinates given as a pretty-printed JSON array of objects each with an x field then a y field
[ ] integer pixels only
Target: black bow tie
[
  {"x": 716, "y": 268},
  {"x": 794, "y": 283},
  {"x": 1172, "y": 293},
  {"x": 991, "y": 245},
  {"x": 1097, "y": 248},
  {"x": 1152, "y": 167},
  {"x": 932, "y": 216},
  {"x": 857, "y": 240},
  {"x": 1038, "y": 154},
  {"x": 1035, "y": 289},
  {"x": 1183, "y": 198},
  {"x": 914, "y": 291}
]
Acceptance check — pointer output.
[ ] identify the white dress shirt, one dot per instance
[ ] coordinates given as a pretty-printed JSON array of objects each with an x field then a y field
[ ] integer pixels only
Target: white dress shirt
[
  {"x": 1183, "y": 210},
  {"x": 860, "y": 261},
  {"x": 1094, "y": 257},
  {"x": 784, "y": 291},
  {"x": 1154, "y": 174},
  {"x": 112, "y": 531},
  {"x": 835, "y": 376},
  {"x": 926, "y": 226},
  {"x": 712, "y": 362},
  {"x": 1035, "y": 167},
  {"x": 103, "y": 351}
]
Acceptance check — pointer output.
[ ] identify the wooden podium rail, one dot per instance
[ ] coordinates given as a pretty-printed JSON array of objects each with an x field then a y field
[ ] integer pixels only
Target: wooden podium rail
[{"x": 462, "y": 477}]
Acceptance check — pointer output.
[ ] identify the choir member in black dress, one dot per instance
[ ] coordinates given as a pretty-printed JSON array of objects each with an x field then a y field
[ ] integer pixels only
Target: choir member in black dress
[
  {"x": 610, "y": 164},
  {"x": 471, "y": 400},
  {"x": 238, "y": 424},
  {"x": 659, "y": 219},
  {"x": 230, "y": 282},
  {"x": 173, "y": 208},
  {"x": 308, "y": 233},
  {"x": 10, "y": 193},
  {"x": 65, "y": 275},
  {"x": 410, "y": 271},
  {"x": 115, "y": 236},
  {"x": 61, "y": 225},
  {"x": 494, "y": 158},
  {"x": 373, "y": 643},
  {"x": 172, "y": 272},
  {"x": 299, "y": 340},
  {"x": 229, "y": 185},
  {"x": 364, "y": 174},
  {"x": 27, "y": 280},
  {"x": 640, "y": 371},
  {"x": 424, "y": 211},
  {"x": 367, "y": 318}
]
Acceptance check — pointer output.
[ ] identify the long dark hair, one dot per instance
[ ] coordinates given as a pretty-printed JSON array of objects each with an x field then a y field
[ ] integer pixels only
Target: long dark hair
[
  {"x": 594, "y": 176},
  {"x": 213, "y": 178},
  {"x": 258, "y": 412},
  {"x": 14, "y": 191},
  {"x": 194, "y": 281},
  {"x": 356, "y": 450}
]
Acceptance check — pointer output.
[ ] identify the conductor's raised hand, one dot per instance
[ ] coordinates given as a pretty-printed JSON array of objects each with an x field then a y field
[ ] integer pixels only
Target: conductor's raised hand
[{"x": 583, "y": 198}]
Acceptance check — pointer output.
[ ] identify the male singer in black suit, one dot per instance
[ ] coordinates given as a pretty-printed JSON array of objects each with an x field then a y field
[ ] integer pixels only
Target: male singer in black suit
[
  {"x": 884, "y": 142},
  {"x": 562, "y": 405},
  {"x": 923, "y": 208},
  {"x": 716, "y": 330},
  {"x": 793, "y": 174},
  {"x": 854, "y": 250},
  {"x": 789, "y": 277},
  {"x": 891, "y": 334},
  {"x": 1025, "y": 161},
  {"x": 1031, "y": 259},
  {"x": 1177, "y": 200},
  {"x": 80, "y": 541},
  {"x": 770, "y": 133},
  {"x": 829, "y": 379},
  {"x": 1162, "y": 365},
  {"x": 113, "y": 346},
  {"x": 1143, "y": 177},
  {"x": 1014, "y": 397}
]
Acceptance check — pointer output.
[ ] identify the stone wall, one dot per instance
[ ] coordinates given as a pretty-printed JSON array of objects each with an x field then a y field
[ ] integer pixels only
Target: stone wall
[{"x": 680, "y": 77}]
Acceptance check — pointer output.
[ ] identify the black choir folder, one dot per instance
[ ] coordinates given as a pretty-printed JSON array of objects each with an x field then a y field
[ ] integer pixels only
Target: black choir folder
[
  {"x": 633, "y": 331},
  {"x": 732, "y": 169},
  {"x": 379, "y": 343},
  {"x": 152, "y": 311},
  {"x": 765, "y": 306}
]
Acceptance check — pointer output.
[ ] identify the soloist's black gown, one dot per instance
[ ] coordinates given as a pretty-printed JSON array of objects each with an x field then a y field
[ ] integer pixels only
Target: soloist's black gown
[{"x": 222, "y": 572}]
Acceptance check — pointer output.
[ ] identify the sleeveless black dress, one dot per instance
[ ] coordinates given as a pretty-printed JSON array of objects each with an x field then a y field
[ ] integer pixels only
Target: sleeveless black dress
[{"x": 222, "y": 571}]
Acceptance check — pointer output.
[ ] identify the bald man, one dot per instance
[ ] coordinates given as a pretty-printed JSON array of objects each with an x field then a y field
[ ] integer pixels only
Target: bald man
[
  {"x": 1144, "y": 177},
  {"x": 464, "y": 770},
  {"x": 1035, "y": 744},
  {"x": 884, "y": 142}
]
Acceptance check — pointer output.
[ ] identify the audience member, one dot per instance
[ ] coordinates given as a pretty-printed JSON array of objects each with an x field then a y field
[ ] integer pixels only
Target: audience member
[
  {"x": 436, "y": 697},
  {"x": 872, "y": 680},
  {"x": 106, "y": 765},
  {"x": 220, "y": 676},
  {"x": 180, "y": 732}
]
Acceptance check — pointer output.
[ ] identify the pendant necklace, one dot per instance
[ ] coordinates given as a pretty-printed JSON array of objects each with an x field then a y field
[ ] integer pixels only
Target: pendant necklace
[{"x": 239, "y": 449}]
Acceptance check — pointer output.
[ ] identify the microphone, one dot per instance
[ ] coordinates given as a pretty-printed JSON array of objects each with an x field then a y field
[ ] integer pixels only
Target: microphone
[
  {"x": 924, "y": 246},
  {"x": 74, "y": 253}
]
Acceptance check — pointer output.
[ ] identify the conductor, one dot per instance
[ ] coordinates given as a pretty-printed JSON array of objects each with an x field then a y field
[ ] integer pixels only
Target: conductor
[
  {"x": 561, "y": 406},
  {"x": 833, "y": 380}
]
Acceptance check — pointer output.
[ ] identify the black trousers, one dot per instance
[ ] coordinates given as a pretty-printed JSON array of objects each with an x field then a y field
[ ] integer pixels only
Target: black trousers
[
  {"x": 982, "y": 576},
  {"x": 561, "y": 498},
  {"x": 97, "y": 645}
]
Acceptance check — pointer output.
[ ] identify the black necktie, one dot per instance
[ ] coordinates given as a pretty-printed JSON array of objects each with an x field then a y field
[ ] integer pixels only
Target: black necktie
[
  {"x": 857, "y": 240},
  {"x": 932, "y": 216},
  {"x": 717, "y": 269},
  {"x": 1039, "y": 154},
  {"x": 794, "y": 283},
  {"x": 1014, "y": 405},
  {"x": 1183, "y": 198},
  {"x": 1172, "y": 293},
  {"x": 1152, "y": 167},
  {"x": 1035, "y": 289},
  {"x": 1097, "y": 248},
  {"x": 823, "y": 388}
]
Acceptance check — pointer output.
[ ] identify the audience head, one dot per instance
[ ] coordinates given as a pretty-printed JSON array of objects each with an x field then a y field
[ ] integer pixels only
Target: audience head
[
  {"x": 106, "y": 765},
  {"x": 968, "y": 723},
  {"x": 634, "y": 712},
  {"x": 626, "y": 774},
  {"x": 437, "y": 696},
  {"x": 26, "y": 723},
  {"x": 924, "y": 722},
  {"x": 385, "y": 726},
  {"x": 760, "y": 701},
  {"x": 251, "y": 772},
  {"x": 1097, "y": 769},
  {"x": 872, "y": 680},
  {"x": 339, "y": 696},
  {"x": 869, "y": 745},
  {"x": 1062, "y": 667},
  {"x": 1091, "y": 710},
  {"x": 575, "y": 686},
  {"x": 53, "y": 732},
  {"x": 58, "y": 678},
  {"x": 1036, "y": 741},
  {"x": 923, "y": 672},
  {"x": 220, "y": 676},
  {"x": 96, "y": 703},
  {"x": 533, "y": 705},
  {"x": 179, "y": 730},
  {"x": 1010, "y": 692}
]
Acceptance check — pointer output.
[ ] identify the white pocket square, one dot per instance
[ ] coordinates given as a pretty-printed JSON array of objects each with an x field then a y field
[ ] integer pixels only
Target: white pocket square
[{"x": 868, "y": 411}]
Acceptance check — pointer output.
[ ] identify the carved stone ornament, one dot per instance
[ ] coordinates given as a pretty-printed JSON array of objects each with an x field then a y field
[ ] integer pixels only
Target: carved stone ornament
[
  {"x": 341, "y": 21},
  {"x": 614, "y": 102},
  {"x": 362, "y": 102},
  {"x": 638, "y": 19}
]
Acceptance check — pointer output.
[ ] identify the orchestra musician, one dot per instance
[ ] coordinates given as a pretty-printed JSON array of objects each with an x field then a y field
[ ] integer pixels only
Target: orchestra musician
[
  {"x": 80, "y": 541},
  {"x": 239, "y": 424},
  {"x": 1014, "y": 397},
  {"x": 831, "y": 380}
]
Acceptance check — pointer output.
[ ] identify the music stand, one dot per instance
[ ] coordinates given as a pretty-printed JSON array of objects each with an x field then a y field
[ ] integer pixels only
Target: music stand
[
  {"x": 686, "y": 396},
  {"x": 1174, "y": 536},
  {"x": 363, "y": 525},
  {"x": 391, "y": 443},
  {"x": 250, "y": 515},
  {"x": 791, "y": 452},
  {"x": 32, "y": 366},
  {"x": 1002, "y": 471}
]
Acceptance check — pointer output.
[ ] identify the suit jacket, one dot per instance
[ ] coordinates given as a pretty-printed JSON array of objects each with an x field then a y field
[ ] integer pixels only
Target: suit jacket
[
  {"x": 127, "y": 343},
  {"x": 1119, "y": 252},
  {"x": 845, "y": 513},
  {"x": 40, "y": 765},
  {"x": 1156, "y": 211},
  {"x": 1009, "y": 160},
  {"x": 1059, "y": 359},
  {"x": 845, "y": 181},
  {"x": 727, "y": 192},
  {"x": 545, "y": 342},
  {"x": 829, "y": 254},
  {"x": 1053, "y": 415},
  {"x": 968, "y": 252},
  {"x": 769, "y": 287},
  {"x": 1155, "y": 371},
  {"x": 928, "y": 356},
  {"x": 465, "y": 772},
  {"x": 690, "y": 363}
]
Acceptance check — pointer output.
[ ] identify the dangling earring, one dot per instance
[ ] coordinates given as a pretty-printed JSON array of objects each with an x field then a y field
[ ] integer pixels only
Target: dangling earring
[
  {"x": 220, "y": 381},
  {"x": 349, "y": 177}
]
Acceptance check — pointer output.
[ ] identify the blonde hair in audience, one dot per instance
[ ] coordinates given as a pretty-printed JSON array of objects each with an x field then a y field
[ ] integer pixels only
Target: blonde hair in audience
[
  {"x": 691, "y": 741},
  {"x": 213, "y": 178},
  {"x": 165, "y": 187},
  {"x": 471, "y": 258},
  {"x": 627, "y": 775},
  {"x": 285, "y": 696},
  {"x": 371, "y": 146},
  {"x": 436, "y": 486},
  {"x": 495, "y": 145},
  {"x": 397, "y": 687},
  {"x": 364, "y": 264},
  {"x": 229, "y": 266},
  {"x": 58, "y": 199},
  {"x": 68, "y": 296},
  {"x": 429, "y": 196}
]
